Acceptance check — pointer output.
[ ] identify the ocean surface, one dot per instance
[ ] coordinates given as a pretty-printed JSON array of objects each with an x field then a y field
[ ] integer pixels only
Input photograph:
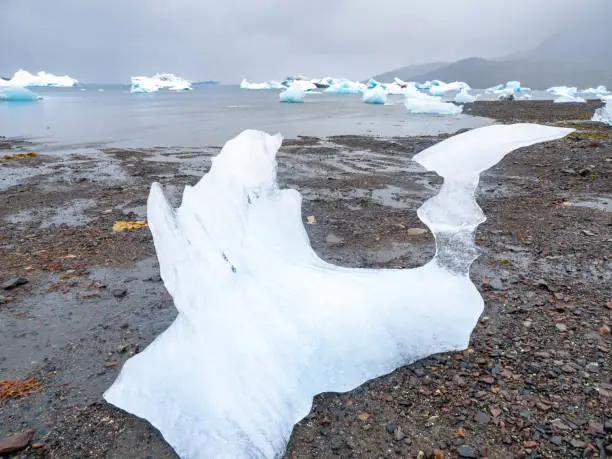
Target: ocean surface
[{"x": 108, "y": 115}]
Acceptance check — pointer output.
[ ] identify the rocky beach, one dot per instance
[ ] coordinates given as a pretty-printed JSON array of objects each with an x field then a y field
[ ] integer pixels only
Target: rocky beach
[{"x": 77, "y": 298}]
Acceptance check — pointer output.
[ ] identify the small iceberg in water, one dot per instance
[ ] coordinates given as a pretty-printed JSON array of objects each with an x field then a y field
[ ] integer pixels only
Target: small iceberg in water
[
  {"x": 509, "y": 90},
  {"x": 565, "y": 94},
  {"x": 17, "y": 94},
  {"x": 293, "y": 95},
  {"x": 420, "y": 103},
  {"x": 167, "y": 81},
  {"x": 600, "y": 90},
  {"x": 376, "y": 95},
  {"x": 464, "y": 97}
]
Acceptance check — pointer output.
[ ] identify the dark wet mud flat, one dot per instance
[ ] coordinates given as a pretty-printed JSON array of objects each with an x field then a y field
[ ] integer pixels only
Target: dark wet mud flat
[{"x": 535, "y": 382}]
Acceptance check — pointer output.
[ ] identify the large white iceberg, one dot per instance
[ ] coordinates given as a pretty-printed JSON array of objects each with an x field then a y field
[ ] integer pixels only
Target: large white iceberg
[
  {"x": 464, "y": 97},
  {"x": 264, "y": 324},
  {"x": 17, "y": 94},
  {"x": 168, "y": 81},
  {"x": 23, "y": 78},
  {"x": 604, "y": 114},
  {"x": 376, "y": 95},
  {"x": 292, "y": 95}
]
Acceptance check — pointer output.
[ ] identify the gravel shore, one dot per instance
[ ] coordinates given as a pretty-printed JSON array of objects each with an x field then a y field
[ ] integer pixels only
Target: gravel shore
[{"x": 77, "y": 299}]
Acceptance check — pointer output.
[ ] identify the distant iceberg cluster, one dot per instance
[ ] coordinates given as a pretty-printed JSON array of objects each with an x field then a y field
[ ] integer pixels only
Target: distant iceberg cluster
[
  {"x": 23, "y": 78},
  {"x": 17, "y": 94},
  {"x": 166, "y": 81},
  {"x": 509, "y": 91}
]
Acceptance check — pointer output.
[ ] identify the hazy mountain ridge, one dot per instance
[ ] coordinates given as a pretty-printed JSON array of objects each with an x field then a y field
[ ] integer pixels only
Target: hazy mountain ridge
[{"x": 580, "y": 57}]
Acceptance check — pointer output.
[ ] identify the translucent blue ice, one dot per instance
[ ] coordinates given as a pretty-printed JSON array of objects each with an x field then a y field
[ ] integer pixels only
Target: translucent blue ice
[{"x": 17, "y": 94}]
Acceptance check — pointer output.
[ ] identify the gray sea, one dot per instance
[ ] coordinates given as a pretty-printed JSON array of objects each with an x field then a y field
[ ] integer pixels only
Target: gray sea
[{"x": 108, "y": 115}]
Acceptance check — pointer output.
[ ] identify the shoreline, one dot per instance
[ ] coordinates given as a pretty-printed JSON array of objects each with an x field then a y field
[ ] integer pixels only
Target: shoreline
[{"x": 94, "y": 297}]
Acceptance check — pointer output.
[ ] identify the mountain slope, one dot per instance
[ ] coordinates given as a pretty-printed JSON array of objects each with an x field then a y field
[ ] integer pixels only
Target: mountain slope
[{"x": 581, "y": 56}]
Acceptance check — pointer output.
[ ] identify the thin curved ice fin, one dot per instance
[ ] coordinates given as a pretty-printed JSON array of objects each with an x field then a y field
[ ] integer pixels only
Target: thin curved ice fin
[{"x": 264, "y": 324}]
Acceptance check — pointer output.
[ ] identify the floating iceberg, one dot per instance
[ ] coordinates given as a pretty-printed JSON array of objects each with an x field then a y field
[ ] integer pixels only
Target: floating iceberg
[
  {"x": 23, "y": 78},
  {"x": 504, "y": 91},
  {"x": 440, "y": 88},
  {"x": 346, "y": 87},
  {"x": 294, "y": 94},
  {"x": 565, "y": 94},
  {"x": 464, "y": 97},
  {"x": 599, "y": 90},
  {"x": 604, "y": 114},
  {"x": 168, "y": 81},
  {"x": 277, "y": 325},
  {"x": 376, "y": 95},
  {"x": 244, "y": 84},
  {"x": 17, "y": 94},
  {"x": 430, "y": 105}
]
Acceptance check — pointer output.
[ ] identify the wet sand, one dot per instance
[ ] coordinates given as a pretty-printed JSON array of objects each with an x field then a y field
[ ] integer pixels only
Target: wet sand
[{"x": 535, "y": 382}]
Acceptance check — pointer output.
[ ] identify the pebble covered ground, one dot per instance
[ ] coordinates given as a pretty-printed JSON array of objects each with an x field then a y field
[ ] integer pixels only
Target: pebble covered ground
[{"x": 77, "y": 299}]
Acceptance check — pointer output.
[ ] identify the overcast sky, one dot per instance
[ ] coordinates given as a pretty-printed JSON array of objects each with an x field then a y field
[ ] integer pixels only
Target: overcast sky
[{"x": 110, "y": 40}]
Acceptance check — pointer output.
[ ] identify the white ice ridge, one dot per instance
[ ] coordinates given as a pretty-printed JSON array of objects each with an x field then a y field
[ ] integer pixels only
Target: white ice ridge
[
  {"x": 264, "y": 324},
  {"x": 169, "y": 81},
  {"x": 23, "y": 78}
]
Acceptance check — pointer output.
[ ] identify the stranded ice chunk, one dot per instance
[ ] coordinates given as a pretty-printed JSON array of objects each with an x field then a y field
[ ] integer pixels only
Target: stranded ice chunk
[
  {"x": 264, "y": 324},
  {"x": 292, "y": 95},
  {"x": 17, "y": 94},
  {"x": 376, "y": 95}
]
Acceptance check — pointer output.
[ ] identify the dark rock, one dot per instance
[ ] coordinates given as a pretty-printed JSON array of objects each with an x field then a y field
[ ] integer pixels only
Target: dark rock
[
  {"x": 558, "y": 424},
  {"x": 156, "y": 278},
  {"x": 391, "y": 428},
  {"x": 482, "y": 418},
  {"x": 14, "y": 282},
  {"x": 585, "y": 172},
  {"x": 467, "y": 451},
  {"x": 16, "y": 442},
  {"x": 608, "y": 425},
  {"x": 119, "y": 292},
  {"x": 556, "y": 440},
  {"x": 577, "y": 443}
]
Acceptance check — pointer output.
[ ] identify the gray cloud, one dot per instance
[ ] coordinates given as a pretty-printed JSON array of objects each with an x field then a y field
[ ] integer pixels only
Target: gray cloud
[{"x": 110, "y": 40}]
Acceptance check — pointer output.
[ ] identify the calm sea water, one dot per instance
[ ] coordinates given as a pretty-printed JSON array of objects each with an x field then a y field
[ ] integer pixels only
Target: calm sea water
[{"x": 208, "y": 115}]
